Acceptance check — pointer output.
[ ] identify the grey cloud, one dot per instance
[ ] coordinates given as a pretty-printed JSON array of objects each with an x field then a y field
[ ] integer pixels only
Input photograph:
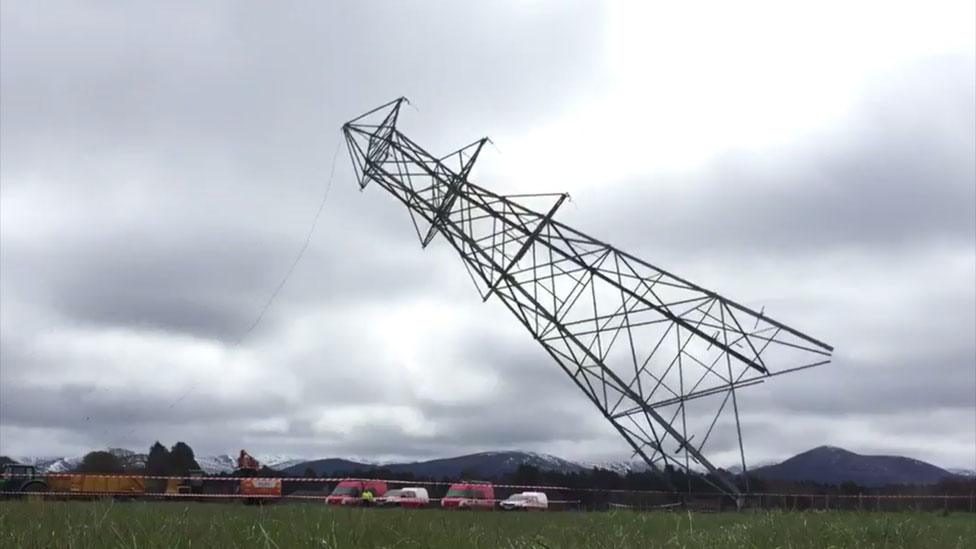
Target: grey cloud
[
  {"x": 200, "y": 74},
  {"x": 160, "y": 165},
  {"x": 900, "y": 174},
  {"x": 213, "y": 281},
  {"x": 83, "y": 407},
  {"x": 939, "y": 381}
]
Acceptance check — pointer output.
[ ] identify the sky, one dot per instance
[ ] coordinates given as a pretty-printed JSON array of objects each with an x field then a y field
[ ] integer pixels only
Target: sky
[{"x": 161, "y": 164}]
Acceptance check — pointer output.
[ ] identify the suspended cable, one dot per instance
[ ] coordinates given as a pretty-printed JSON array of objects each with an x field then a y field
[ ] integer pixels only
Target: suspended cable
[
  {"x": 284, "y": 280},
  {"x": 298, "y": 257}
]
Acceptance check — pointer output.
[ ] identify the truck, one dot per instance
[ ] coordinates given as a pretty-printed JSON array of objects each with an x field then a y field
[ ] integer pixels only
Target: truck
[
  {"x": 21, "y": 479},
  {"x": 525, "y": 501},
  {"x": 24, "y": 479},
  {"x": 350, "y": 492},
  {"x": 469, "y": 495},
  {"x": 258, "y": 489}
]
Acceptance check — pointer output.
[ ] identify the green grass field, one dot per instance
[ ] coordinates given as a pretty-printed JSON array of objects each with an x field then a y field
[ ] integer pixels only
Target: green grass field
[{"x": 177, "y": 524}]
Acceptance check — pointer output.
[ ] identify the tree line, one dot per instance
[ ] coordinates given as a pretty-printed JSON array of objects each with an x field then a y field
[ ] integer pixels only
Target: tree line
[{"x": 177, "y": 460}]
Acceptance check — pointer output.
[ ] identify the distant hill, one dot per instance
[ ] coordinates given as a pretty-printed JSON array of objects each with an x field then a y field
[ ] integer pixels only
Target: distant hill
[
  {"x": 830, "y": 465},
  {"x": 328, "y": 467},
  {"x": 484, "y": 464}
]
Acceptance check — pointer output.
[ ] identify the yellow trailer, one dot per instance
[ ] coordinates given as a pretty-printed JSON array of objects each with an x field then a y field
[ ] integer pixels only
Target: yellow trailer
[{"x": 98, "y": 484}]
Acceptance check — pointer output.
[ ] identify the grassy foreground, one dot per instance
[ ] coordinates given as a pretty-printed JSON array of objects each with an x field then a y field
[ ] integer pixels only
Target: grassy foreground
[{"x": 178, "y": 524}]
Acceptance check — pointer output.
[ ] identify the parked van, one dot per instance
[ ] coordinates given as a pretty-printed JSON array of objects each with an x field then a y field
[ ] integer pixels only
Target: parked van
[
  {"x": 350, "y": 492},
  {"x": 411, "y": 497},
  {"x": 525, "y": 501},
  {"x": 469, "y": 495}
]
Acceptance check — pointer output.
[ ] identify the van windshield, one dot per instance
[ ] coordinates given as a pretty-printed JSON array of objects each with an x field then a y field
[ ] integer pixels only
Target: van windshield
[
  {"x": 396, "y": 494},
  {"x": 518, "y": 497},
  {"x": 468, "y": 494},
  {"x": 346, "y": 491}
]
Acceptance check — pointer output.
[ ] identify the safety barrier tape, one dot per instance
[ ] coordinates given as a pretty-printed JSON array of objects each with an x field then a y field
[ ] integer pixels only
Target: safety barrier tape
[
  {"x": 856, "y": 496},
  {"x": 527, "y": 487},
  {"x": 107, "y": 494},
  {"x": 335, "y": 480}
]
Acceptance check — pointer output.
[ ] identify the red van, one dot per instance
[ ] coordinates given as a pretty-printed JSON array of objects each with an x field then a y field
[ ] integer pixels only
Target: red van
[
  {"x": 469, "y": 495},
  {"x": 350, "y": 492}
]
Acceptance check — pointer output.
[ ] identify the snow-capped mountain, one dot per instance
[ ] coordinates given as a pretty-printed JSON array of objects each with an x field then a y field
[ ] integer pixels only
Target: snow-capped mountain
[
  {"x": 968, "y": 473},
  {"x": 825, "y": 464},
  {"x": 737, "y": 468},
  {"x": 50, "y": 464},
  {"x": 621, "y": 467},
  {"x": 480, "y": 465},
  {"x": 226, "y": 463},
  {"x": 62, "y": 464}
]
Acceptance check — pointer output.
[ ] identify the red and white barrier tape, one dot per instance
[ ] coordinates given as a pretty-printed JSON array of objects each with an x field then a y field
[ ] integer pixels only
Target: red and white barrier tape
[
  {"x": 214, "y": 496},
  {"x": 526, "y": 487}
]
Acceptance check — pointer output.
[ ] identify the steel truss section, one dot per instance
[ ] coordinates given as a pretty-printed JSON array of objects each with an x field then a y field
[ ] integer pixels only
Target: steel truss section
[{"x": 660, "y": 357}]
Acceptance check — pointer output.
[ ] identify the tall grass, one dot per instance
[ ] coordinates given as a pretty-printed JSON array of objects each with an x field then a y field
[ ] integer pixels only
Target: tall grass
[{"x": 178, "y": 524}]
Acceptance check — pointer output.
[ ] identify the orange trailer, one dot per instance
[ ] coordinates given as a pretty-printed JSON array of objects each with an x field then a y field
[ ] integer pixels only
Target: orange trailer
[
  {"x": 264, "y": 488},
  {"x": 98, "y": 484}
]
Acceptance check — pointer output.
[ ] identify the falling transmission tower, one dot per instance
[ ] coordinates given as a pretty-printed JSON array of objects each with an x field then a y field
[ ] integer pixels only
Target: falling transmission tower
[{"x": 661, "y": 357}]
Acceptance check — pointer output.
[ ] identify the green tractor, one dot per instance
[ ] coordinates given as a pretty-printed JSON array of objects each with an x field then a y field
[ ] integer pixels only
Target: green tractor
[{"x": 21, "y": 479}]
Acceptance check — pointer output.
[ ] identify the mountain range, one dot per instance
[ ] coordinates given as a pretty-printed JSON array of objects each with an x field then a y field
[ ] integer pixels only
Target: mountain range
[
  {"x": 484, "y": 464},
  {"x": 825, "y": 465},
  {"x": 213, "y": 464}
]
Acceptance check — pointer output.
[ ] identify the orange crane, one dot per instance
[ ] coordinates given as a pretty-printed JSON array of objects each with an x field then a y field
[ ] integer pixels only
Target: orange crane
[
  {"x": 247, "y": 463},
  {"x": 263, "y": 489}
]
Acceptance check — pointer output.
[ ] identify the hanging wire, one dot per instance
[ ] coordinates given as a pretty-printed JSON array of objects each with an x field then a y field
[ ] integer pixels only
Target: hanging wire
[
  {"x": 298, "y": 257},
  {"x": 284, "y": 280}
]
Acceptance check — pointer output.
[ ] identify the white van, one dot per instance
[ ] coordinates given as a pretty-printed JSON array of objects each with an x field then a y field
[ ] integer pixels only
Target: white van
[
  {"x": 525, "y": 501},
  {"x": 405, "y": 497}
]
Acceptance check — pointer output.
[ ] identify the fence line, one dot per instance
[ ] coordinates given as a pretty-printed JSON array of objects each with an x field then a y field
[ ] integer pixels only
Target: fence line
[
  {"x": 631, "y": 498},
  {"x": 176, "y": 495},
  {"x": 329, "y": 480}
]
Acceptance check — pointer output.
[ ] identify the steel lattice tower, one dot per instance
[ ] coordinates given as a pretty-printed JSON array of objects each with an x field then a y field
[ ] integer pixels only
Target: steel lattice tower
[{"x": 661, "y": 357}]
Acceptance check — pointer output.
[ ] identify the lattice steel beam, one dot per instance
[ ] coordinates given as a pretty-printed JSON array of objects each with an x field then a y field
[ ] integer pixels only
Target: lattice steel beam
[{"x": 659, "y": 356}]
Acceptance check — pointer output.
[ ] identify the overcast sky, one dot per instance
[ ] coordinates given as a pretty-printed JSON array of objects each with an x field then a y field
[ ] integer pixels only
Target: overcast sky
[{"x": 161, "y": 163}]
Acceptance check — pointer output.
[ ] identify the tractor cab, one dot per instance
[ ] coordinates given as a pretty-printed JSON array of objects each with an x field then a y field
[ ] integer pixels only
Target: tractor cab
[
  {"x": 15, "y": 477},
  {"x": 18, "y": 470}
]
